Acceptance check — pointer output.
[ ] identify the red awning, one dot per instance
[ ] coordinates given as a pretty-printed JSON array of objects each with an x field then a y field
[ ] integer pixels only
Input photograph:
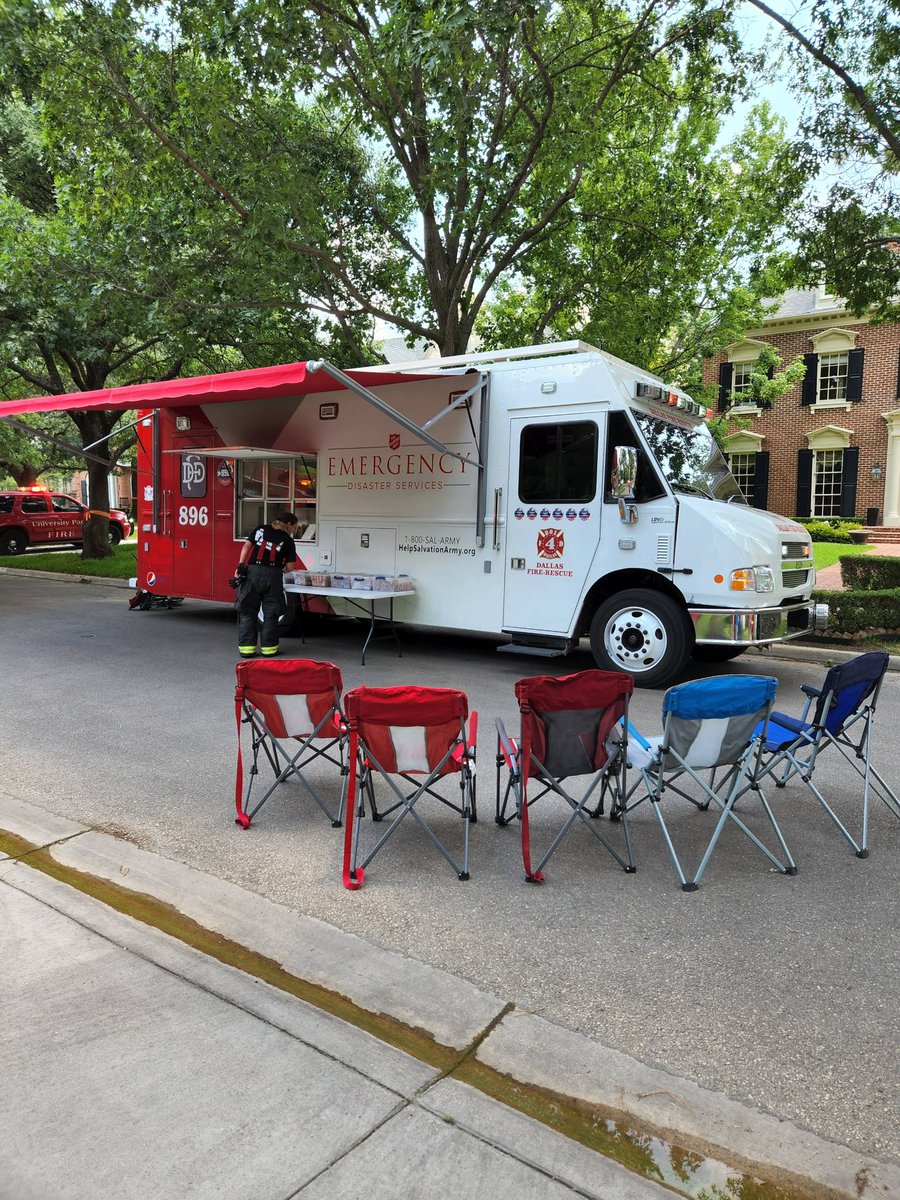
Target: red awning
[{"x": 262, "y": 383}]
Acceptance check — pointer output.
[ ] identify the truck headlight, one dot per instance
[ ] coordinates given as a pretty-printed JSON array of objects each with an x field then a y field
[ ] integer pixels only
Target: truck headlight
[{"x": 753, "y": 579}]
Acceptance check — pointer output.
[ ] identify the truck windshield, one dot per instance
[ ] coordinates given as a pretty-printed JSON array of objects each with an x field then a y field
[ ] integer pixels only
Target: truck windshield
[{"x": 690, "y": 458}]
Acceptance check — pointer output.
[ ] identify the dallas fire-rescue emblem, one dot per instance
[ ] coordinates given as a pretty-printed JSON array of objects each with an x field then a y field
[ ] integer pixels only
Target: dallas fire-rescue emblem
[{"x": 551, "y": 543}]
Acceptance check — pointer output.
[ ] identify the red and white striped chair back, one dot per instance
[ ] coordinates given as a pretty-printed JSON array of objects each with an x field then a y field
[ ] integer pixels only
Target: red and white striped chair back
[
  {"x": 408, "y": 730},
  {"x": 293, "y": 696}
]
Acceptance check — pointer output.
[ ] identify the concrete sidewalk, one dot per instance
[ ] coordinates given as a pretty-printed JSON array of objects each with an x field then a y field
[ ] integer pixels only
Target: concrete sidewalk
[{"x": 139, "y": 1061}]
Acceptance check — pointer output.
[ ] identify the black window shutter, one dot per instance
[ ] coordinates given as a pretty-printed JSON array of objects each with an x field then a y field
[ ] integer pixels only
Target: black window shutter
[
  {"x": 726, "y": 374},
  {"x": 898, "y": 374},
  {"x": 770, "y": 374},
  {"x": 848, "y": 480},
  {"x": 804, "y": 482},
  {"x": 761, "y": 480},
  {"x": 854, "y": 374},
  {"x": 810, "y": 379}
]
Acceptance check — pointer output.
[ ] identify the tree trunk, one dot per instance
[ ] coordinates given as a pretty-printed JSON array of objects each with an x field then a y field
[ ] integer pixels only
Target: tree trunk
[
  {"x": 96, "y": 527},
  {"x": 24, "y": 476}
]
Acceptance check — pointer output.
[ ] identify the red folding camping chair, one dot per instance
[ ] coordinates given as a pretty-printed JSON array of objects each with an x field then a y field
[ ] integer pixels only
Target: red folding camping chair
[
  {"x": 417, "y": 735},
  {"x": 295, "y": 701},
  {"x": 569, "y": 731}
]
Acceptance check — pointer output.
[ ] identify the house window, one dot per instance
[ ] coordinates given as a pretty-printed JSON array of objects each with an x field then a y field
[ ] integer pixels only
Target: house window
[
  {"x": 828, "y": 473},
  {"x": 833, "y": 370},
  {"x": 743, "y": 468},
  {"x": 740, "y": 381}
]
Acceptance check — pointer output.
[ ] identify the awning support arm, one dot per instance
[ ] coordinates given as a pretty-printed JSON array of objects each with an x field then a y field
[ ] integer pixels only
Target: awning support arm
[
  {"x": 47, "y": 437},
  {"x": 457, "y": 403},
  {"x": 337, "y": 374},
  {"x": 112, "y": 433}
]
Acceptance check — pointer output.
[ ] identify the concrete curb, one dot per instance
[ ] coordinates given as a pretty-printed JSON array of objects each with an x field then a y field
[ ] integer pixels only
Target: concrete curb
[
  {"x": 824, "y": 655},
  {"x": 525, "y": 1048},
  {"x": 61, "y": 575}
]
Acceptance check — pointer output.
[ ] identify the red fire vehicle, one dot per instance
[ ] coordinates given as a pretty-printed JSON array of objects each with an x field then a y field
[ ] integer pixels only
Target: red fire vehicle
[{"x": 35, "y": 516}]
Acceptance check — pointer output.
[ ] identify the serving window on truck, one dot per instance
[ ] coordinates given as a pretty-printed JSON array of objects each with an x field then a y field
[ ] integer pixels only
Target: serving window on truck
[{"x": 265, "y": 487}]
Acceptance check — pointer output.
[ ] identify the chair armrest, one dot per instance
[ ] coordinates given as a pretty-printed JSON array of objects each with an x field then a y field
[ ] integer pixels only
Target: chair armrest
[
  {"x": 507, "y": 746},
  {"x": 809, "y": 690}
]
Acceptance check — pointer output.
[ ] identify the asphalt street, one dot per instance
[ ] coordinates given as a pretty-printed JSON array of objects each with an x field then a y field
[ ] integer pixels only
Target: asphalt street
[{"x": 780, "y": 992}]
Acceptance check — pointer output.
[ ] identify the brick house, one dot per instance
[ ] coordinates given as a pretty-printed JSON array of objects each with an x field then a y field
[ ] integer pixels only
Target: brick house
[{"x": 831, "y": 446}]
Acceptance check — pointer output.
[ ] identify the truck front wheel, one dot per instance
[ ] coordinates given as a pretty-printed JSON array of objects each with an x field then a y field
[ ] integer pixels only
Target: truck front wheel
[{"x": 643, "y": 633}]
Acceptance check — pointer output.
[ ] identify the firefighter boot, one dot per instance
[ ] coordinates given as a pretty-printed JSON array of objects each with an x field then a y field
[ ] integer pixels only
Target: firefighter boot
[
  {"x": 247, "y": 651},
  {"x": 268, "y": 651}
]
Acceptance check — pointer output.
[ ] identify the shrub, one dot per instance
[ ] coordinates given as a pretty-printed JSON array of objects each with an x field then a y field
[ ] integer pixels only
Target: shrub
[
  {"x": 822, "y": 531},
  {"x": 870, "y": 572},
  {"x": 829, "y": 529},
  {"x": 859, "y": 611}
]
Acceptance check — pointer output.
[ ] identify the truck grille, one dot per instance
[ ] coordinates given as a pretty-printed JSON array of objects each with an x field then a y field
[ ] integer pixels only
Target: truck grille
[
  {"x": 795, "y": 577},
  {"x": 796, "y": 564}
]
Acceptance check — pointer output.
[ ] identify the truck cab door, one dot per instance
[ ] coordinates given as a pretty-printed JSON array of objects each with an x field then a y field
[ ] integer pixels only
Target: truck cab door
[
  {"x": 553, "y": 516},
  {"x": 68, "y": 517}
]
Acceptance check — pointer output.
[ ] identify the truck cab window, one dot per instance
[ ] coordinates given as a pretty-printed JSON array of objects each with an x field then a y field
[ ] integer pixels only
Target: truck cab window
[
  {"x": 63, "y": 504},
  {"x": 35, "y": 504},
  {"x": 558, "y": 462},
  {"x": 648, "y": 486}
]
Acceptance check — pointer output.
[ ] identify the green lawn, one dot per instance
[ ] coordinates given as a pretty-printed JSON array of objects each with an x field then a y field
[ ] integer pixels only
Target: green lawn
[
  {"x": 122, "y": 564},
  {"x": 826, "y": 554}
]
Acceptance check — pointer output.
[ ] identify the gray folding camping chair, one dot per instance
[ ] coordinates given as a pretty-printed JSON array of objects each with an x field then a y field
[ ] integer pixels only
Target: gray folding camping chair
[{"x": 709, "y": 753}]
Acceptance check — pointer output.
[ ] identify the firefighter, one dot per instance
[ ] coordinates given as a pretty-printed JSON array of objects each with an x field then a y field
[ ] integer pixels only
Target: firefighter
[{"x": 267, "y": 553}]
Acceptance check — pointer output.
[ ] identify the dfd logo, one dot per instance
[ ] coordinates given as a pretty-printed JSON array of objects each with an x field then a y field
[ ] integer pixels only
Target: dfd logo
[
  {"x": 394, "y": 441},
  {"x": 193, "y": 476},
  {"x": 551, "y": 543}
]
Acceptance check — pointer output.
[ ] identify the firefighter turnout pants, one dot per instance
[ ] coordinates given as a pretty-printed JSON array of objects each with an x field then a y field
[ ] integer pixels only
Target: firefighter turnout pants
[{"x": 262, "y": 589}]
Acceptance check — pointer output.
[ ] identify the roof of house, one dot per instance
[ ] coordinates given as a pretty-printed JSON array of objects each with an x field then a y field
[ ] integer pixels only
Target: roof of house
[{"x": 806, "y": 302}]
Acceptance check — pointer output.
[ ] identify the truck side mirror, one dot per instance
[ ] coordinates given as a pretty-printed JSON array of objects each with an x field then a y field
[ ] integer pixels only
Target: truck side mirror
[{"x": 623, "y": 479}]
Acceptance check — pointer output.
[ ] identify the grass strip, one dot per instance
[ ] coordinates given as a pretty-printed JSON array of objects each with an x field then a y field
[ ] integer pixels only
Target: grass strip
[{"x": 121, "y": 564}]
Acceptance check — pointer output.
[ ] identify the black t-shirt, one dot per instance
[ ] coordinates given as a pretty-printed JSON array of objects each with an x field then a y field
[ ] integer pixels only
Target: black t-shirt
[{"x": 271, "y": 547}]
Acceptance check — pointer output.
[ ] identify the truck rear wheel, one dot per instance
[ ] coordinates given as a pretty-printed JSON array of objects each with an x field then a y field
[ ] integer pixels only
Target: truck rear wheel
[
  {"x": 13, "y": 541},
  {"x": 643, "y": 633}
]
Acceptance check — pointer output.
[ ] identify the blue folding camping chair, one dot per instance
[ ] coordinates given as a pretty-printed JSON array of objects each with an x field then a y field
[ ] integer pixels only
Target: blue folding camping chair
[
  {"x": 843, "y": 717},
  {"x": 710, "y": 726}
]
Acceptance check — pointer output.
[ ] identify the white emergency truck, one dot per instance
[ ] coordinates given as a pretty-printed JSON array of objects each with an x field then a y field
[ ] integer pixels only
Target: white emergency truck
[{"x": 549, "y": 493}]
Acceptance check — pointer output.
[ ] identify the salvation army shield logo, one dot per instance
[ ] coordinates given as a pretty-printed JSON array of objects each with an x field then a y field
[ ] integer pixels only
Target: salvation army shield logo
[
  {"x": 394, "y": 441},
  {"x": 551, "y": 543}
]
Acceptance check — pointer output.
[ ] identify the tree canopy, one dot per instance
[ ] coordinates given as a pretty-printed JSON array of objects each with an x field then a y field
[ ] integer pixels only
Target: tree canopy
[
  {"x": 427, "y": 159},
  {"x": 845, "y": 66}
]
